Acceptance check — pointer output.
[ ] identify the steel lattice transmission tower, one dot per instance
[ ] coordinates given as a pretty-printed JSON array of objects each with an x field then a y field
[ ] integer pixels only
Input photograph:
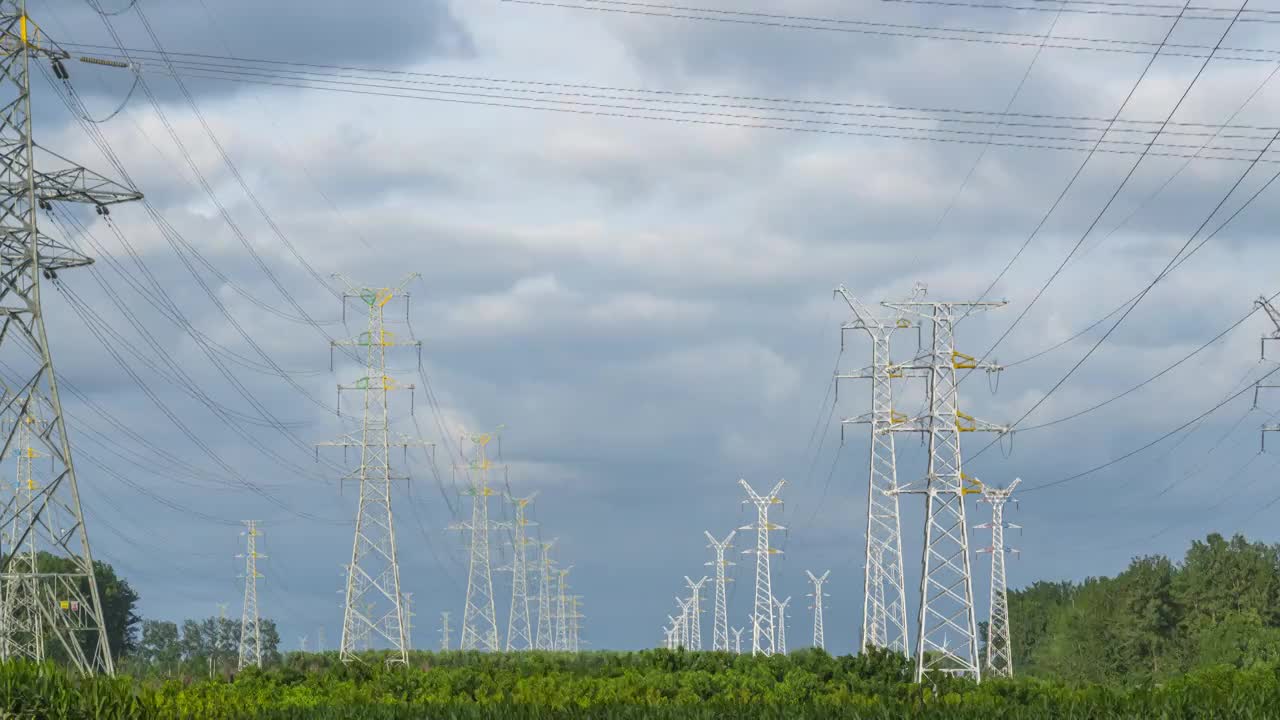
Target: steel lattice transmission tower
[
  {"x": 695, "y": 612},
  {"x": 575, "y": 625},
  {"x": 479, "y": 616},
  {"x": 374, "y": 605},
  {"x": 947, "y": 631},
  {"x": 999, "y": 650},
  {"x": 682, "y": 627},
  {"x": 67, "y": 601},
  {"x": 562, "y": 610},
  {"x": 545, "y": 636},
  {"x": 444, "y": 630},
  {"x": 520, "y": 633},
  {"x": 884, "y": 604},
  {"x": 21, "y": 623},
  {"x": 1274, "y": 315},
  {"x": 781, "y": 624},
  {"x": 737, "y": 640},
  {"x": 819, "y": 634},
  {"x": 720, "y": 620},
  {"x": 250, "y": 625},
  {"x": 762, "y": 638}
]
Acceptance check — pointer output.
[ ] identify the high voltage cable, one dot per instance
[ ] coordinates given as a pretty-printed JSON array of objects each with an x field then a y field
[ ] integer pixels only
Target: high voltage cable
[
  {"x": 899, "y": 30},
  {"x": 344, "y": 83},
  {"x": 1267, "y": 15},
  {"x": 563, "y": 88}
]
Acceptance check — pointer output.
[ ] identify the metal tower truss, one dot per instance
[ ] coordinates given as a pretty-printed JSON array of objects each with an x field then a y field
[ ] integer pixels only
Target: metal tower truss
[
  {"x": 444, "y": 631},
  {"x": 544, "y": 639},
  {"x": 946, "y": 633},
  {"x": 819, "y": 635},
  {"x": 479, "y": 615},
  {"x": 762, "y": 637},
  {"x": 780, "y": 626},
  {"x": 520, "y": 633},
  {"x": 695, "y": 612},
  {"x": 884, "y": 604},
  {"x": 21, "y": 619},
  {"x": 682, "y": 626},
  {"x": 575, "y": 623},
  {"x": 374, "y": 604},
  {"x": 250, "y": 627},
  {"x": 562, "y": 609},
  {"x": 999, "y": 650},
  {"x": 48, "y": 519},
  {"x": 720, "y": 620},
  {"x": 737, "y": 640}
]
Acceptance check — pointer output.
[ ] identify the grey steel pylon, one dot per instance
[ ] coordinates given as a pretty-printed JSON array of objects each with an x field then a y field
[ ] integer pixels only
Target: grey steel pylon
[
  {"x": 819, "y": 633},
  {"x": 695, "y": 612},
  {"x": 373, "y": 603},
  {"x": 947, "y": 630},
  {"x": 762, "y": 637},
  {"x": 408, "y": 621},
  {"x": 720, "y": 619},
  {"x": 21, "y": 622},
  {"x": 544, "y": 638},
  {"x": 520, "y": 633},
  {"x": 999, "y": 649},
  {"x": 444, "y": 630},
  {"x": 575, "y": 623},
  {"x": 884, "y": 603},
  {"x": 737, "y": 640},
  {"x": 780, "y": 624},
  {"x": 479, "y": 616},
  {"x": 562, "y": 610},
  {"x": 250, "y": 650},
  {"x": 70, "y": 606},
  {"x": 682, "y": 633}
]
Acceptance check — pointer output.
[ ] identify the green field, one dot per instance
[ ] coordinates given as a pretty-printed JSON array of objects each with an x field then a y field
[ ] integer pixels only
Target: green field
[{"x": 655, "y": 684}]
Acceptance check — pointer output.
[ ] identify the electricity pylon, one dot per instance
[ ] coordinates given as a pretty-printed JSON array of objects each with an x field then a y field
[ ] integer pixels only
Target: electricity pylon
[
  {"x": 21, "y": 624},
  {"x": 946, "y": 580},
  {"x": 250, "y": 625},
  {"x": 682, "y": 637},
  {"x": 519, "y": 631},
  {"x": 737, "y": 640},
  {"x": 575, "y": 624},
  {"x": 373, "y": 602},
  {"x": 720, "y": 620},
  {"x": 545, "y": 637},
  {"x": 695, "y": 612},
  {"x": 444, "y": 630},
  {"x": 999, "y": 650},
  {"x": 819, "y": 637},
  {"x": 559, "y": 626},
  {"x": 67, "y": 601},
  {"x": 1274, "y": 315},
  {"x": 479, "y": 617},
  {"x": 408, "y": 621},
  {"x": 884, "y": 604},
  {"x": 781, "y": 627},
  {"x": 762, "y": 618}
]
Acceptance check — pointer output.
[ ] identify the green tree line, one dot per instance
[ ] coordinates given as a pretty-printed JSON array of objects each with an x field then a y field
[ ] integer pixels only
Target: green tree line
[{"x": 1156, "y": 620}]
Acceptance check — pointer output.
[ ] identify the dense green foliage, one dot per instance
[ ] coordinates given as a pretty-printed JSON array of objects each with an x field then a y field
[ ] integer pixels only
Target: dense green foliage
[
  {"x": 1156, "y": 620},
  {"x": 649, "y": 685}
]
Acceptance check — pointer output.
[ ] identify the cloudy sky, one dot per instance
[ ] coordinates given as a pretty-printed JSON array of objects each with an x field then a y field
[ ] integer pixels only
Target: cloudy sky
[{"x": 629, "y": 226}]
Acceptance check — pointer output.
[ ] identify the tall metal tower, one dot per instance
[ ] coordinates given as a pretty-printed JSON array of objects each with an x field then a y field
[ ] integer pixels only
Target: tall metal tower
[
  {"x": 737, "y": 640},
  {"x": 408, "y": 621},
  {"x": 69, "y": 605},
  {"x": 21, "y": 623},
  {"x": 884, "y": 604},
  {"x": 519, "y": 630},
  {"x": 545, "y": 637},
  {"x": 373, "y": 602},
  {"x": 947, "y": 632},
  {"x": 762, "y": 618},
  {"x": 682, "y": 634},
  {"x": 720, "y": 621},
  {"x": 479, "y": 618},
  {"x": 250, "y": 627},
  {"x": 999, "y": 650},
  {"x": 695, "y": 612},
  {"x": 444, "y": 631},
  {"x": 819, "y": 637},
  {"x": 781, "y": 627},
  {"x": 562, "y": 609},
  {"x": 575, "y": 623}
]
